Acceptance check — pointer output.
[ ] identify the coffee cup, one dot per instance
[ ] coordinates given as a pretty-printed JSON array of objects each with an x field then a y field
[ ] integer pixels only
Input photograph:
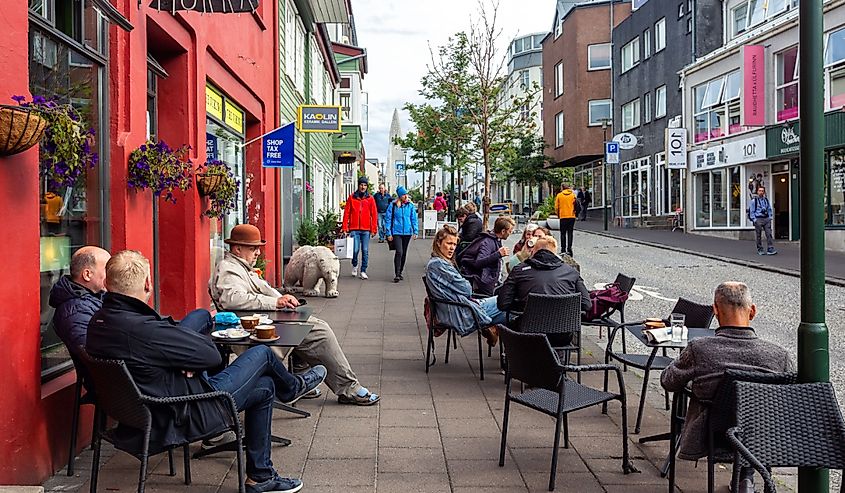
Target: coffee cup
[
  {"x": 249, "y": 322},
  {"x": 265, "y": 331}
]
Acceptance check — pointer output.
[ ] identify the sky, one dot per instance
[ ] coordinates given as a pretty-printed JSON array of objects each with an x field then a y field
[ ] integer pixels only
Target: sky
[{"x": 397, "y": 35}]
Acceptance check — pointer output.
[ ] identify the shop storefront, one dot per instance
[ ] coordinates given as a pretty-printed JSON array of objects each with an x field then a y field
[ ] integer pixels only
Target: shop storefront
[
  {"x": 668, "y": 186},
  {"x": 591, "y": 176},
  {"x": 724, "y": 175}
]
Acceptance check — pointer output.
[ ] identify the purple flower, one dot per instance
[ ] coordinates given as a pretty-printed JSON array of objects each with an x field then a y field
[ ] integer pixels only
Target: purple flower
[
  {"x": 19, "y": 99},
  {"x": 38, "y": 99}
]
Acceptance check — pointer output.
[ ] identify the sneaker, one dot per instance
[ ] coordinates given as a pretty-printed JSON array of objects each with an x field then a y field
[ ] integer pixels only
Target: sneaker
[
  {"x": 313, "y": 394},
  {"x": 276, "y": 484},
  {"x": 354, "y": 271},
  {"x": 772, "y": 252},
  {"x": 761, "y": 252},
  {"x": 396, "y": 279},
  {"x": 309, "y": 381},
  {"x": 226, "y": 437},
  {"x": 364, "y": 275},
  {"x": 401, "y": 277}
]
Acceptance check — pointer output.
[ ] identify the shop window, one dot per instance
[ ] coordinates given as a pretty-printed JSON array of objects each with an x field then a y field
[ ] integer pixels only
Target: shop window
[
  {"x": 599, "y": 111},
  {"x": 734, "y": 197},
  {"x": 70, "y": 217},
  {"x": 836, "y": 183},
  {"x": 752, "y": 13},
  {"x": 631, "y": 115},
  {"x": 598, "y": 186},
  {"x": 786, "y": 63},
  {"x": 598, "y": 56},
  {"x": 636, "y": 178},
  {"x": 631, "y": 54},
  {"x": 660, "y": 35}
]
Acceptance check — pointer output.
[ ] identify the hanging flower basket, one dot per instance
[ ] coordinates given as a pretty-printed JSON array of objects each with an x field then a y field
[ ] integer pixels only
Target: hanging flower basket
[
  {"x": 161, "y": 169},
  {"x": 223, "y": 187},
  {"x": 208, "y": 184},
  {"x": 20, "y": 129}
]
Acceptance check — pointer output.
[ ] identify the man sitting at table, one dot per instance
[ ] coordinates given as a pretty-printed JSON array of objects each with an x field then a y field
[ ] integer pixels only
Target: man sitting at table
[
  {"x": 704, "y": 361},
  {"x": 235, "y": 286},
  {"x": 166, "y": 359}
]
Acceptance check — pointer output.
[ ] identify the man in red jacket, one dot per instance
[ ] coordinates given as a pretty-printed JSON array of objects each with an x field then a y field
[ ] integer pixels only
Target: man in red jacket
[{"x": 360, "y": 220}]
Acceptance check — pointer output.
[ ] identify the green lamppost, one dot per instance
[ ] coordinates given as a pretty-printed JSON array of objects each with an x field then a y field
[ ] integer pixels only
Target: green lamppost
[{"x": 813, "y": 356}]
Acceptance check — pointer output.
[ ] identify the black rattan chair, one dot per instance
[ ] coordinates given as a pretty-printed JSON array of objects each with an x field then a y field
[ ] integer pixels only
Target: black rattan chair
[
  {"x": 83, "y": 394},
  {"x": 626, "y": 284},
  {"x": 555, "y": 315},
  {"x": 696, "y": 314},
  {"x": 721, "y": 415},
  {"x": 451, "y": 334},
  {"x": 797, "y": 425},
  {"x": 119, "y": 398},
  {"x": 532, "y": 361}
]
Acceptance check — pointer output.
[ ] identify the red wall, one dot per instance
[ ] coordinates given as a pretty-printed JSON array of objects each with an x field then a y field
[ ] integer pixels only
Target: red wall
[{"x": 239, "y": 55}]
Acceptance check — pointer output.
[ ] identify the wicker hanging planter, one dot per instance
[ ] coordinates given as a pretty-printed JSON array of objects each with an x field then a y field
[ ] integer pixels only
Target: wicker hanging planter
[
  {"x": 20, "y": 129},
  {"x": 207, "y": 184}
]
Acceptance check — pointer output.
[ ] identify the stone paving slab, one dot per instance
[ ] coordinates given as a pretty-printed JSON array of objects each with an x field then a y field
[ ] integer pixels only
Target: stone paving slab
[{"x": 435, "y": 432}]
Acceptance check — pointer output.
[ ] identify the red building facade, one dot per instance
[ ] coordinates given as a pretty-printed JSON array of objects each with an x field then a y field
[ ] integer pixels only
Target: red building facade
[{"x": 207, "y": 81}]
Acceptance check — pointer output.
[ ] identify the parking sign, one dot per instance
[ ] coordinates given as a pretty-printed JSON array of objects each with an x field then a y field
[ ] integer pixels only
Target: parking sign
[{"x": 611, "y": 152}]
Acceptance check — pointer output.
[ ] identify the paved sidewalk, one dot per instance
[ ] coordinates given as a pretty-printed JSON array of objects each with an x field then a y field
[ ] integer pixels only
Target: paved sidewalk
[
  {"x": 431, "y": 433},
  {"x": 741, "y": 252}
]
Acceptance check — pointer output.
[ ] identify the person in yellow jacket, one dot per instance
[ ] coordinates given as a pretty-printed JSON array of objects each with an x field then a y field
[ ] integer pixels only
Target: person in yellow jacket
[{"x": 566, "y": 206}]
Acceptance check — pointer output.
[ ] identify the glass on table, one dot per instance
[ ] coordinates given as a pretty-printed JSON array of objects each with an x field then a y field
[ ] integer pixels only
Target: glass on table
[{"x": 676, "y": 323}]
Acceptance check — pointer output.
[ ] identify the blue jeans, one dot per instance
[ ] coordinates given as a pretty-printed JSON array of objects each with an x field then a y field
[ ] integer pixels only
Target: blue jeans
[
  {"x": 255, "y": 379},
  {"x": 382, "y": 229},
  {"x": 488, "y": 305},
  {"x": 198, "y": 320},
  {"x": 362, "y": 243}
]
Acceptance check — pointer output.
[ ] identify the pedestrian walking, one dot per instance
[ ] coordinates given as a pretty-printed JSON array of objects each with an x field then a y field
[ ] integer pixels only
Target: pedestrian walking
[
  {"x": 588, "y": 201},
  {"x": 440, "y": 206},
  {"x": 383, "y": 200},
  {"x": 566, "y": 206},
  {"x": 760, "y": 213},
  {"x": 579, "y": 197},
  {"x": 477, "y": 200},
  {"x": 360, "y": 221},
  {"x": 402, "y": 226}
]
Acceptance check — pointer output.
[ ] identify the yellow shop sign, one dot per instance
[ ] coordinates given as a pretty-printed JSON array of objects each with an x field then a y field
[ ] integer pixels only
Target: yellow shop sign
[
  {"x": 234, "y": 117},
  {"x": 213, "y": 102}
]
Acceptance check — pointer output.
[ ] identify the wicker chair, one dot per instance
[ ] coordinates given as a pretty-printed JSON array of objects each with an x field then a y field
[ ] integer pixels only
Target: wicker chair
[
  {"x": 721, "y": 415},
  {"x": 797, "y": 425},
  {"x": 451, "y": 334},
  {"x": 698, "y": 315},
  {"x": 555, "y": 314},
  {"x": 532, "y": 361},
  {"x": 83, "y": 383},
  {"x": 626, "y": 284},
  {"x": 119, "y": 397}
]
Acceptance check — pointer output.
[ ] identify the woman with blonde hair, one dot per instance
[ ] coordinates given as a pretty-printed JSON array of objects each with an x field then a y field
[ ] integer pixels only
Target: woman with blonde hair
[{"x": 445, "y": 282}]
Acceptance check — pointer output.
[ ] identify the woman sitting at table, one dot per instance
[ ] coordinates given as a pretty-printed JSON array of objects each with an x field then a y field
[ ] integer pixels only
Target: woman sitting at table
[{"x": 445, "y": 282}]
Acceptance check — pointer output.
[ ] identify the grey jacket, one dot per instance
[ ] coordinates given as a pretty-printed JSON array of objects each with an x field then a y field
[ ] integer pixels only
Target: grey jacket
[
  {"x": 446, "y": 283},
  {"x": 235, "y": 286},
  {"x": 702, "y": 364}
]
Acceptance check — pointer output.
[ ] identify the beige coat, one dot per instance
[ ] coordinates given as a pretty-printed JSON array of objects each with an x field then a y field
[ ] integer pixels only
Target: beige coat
[{"x": 236, "y": 286}]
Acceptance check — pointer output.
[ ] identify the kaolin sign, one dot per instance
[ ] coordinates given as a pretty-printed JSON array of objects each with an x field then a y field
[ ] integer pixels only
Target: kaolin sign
[{"x": 314, "y": 118}]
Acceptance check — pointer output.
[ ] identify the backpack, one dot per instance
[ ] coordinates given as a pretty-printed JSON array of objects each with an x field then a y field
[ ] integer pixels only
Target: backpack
[
  {"x": 605, "y": 300},
  {"x": 431, "y": 320}
]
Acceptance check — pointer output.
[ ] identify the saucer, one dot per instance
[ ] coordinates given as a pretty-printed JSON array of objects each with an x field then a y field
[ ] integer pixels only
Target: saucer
[
  {"x": 256, "y": 339},
  {"x": 224, "y": 335}
]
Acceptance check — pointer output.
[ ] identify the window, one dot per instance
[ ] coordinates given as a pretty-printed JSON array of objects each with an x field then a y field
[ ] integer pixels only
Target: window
[
  {"x": 299, "y": 65},
  {"x": 346, "y": 82},
  {"x": 290, "y": 38},
  {"x": 631, "y": 115},
  {"x": 636, "y": 176},
  {"x": 559, "y": 79},
  {"x": 559, "y": 129},
  {"x": 647, "y": 107},
  {"x": 345, "y": 100},
  {"x": 660, "y": 35},
  {"x": 599, "y": 111},
  {"x": 749, "y": 14},
  {"x": 598, "y": 56},
  {"x": 558, "y": 28},
  {"x": 631, "y": 54},
  {"x": 660, "y": 102},
  {"x": 524, "y": 113},
  {"x": 524, "y": 79},
  {"x": 680, "y": 10},
  {"x": 646, "y": 43},
  {"x": 834, "y": 56},
  {"x": 716, "y": 107},
  {"x": 689, "y": 25},
  {"x": 786, "y": 65},
  {"x": 718, "y": 202},
  {"x": 835, "y": 198}
]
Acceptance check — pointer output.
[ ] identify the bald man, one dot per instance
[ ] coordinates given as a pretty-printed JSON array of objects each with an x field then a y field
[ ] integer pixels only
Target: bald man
[{"x": 76, "y": 297}]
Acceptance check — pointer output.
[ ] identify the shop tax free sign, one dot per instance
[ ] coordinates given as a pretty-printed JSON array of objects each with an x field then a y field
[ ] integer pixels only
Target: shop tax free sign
[{"x": 315, "y": 118}]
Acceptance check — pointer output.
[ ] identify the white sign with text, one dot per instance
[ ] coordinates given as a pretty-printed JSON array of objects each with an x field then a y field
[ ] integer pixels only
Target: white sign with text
[{"x": 676, "y": 148}]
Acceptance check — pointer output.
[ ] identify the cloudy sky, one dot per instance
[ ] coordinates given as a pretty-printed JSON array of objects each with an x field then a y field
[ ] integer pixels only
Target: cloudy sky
[{"x": 397, "y": 35}]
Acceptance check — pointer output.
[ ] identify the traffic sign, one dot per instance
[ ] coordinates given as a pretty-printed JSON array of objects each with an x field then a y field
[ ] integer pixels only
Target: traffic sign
[{"x": 611, "y": 152}]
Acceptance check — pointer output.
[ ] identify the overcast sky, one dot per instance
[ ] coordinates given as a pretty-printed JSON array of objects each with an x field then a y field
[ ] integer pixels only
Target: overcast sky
[{"x": 397, "y": 34}]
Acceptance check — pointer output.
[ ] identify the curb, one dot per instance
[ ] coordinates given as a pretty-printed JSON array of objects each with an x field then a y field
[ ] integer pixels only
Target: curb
[{"x": 832, "y": 281}]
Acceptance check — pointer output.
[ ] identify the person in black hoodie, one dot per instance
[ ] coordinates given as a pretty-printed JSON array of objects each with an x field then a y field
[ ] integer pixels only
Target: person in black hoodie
[
  {"x": 543, "y": 273},
  {"x": 471, "y": 226},
  {"x": 481, "y": 261},
  {"x": 166, "y": 359}
]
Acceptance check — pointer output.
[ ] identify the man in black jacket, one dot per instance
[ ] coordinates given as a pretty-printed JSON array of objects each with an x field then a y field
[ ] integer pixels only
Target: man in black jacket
[
  {"x": 166, "y": 360},
  {"x": 543, "y": 273}
]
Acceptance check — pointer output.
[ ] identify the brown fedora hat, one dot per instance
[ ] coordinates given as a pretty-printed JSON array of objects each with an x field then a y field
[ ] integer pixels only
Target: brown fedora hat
[{"x": 245, "y": 234}]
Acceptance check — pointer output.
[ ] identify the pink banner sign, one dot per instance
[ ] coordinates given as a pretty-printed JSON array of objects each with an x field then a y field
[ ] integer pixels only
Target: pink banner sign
[{"x": 753, "y": 86}]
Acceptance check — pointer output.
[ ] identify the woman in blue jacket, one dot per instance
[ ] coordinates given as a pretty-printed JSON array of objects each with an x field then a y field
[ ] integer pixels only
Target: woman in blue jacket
[{"x": 401, "y": 224}]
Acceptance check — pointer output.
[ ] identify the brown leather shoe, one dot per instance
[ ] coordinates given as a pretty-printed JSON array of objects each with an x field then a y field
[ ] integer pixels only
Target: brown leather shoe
[{"x": 491, "y": 334}]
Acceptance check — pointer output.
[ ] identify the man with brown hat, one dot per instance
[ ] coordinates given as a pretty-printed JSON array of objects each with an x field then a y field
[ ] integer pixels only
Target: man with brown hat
[{"x": 235, "y": 286}]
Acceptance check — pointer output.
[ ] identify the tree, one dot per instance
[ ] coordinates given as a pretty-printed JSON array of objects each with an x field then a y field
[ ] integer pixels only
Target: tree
[
  {"x": 525, "y": 162},
  {"x": 468, "y": 84}
]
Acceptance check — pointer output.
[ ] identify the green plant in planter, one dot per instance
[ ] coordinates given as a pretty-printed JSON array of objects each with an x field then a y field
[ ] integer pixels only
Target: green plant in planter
[
  {"x": 306, "y": 233},
  {"x": 326, "y": 227},
  {"x": 223, "y": 196},
  {"x": 547, "y": 208},
  {"x": 158, "y": 167},
  {"x": 67, "y": 147}
]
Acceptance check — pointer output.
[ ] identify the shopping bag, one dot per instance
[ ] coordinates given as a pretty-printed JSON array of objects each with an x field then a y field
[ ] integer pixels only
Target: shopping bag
[{"x": 343, "y": 247}]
